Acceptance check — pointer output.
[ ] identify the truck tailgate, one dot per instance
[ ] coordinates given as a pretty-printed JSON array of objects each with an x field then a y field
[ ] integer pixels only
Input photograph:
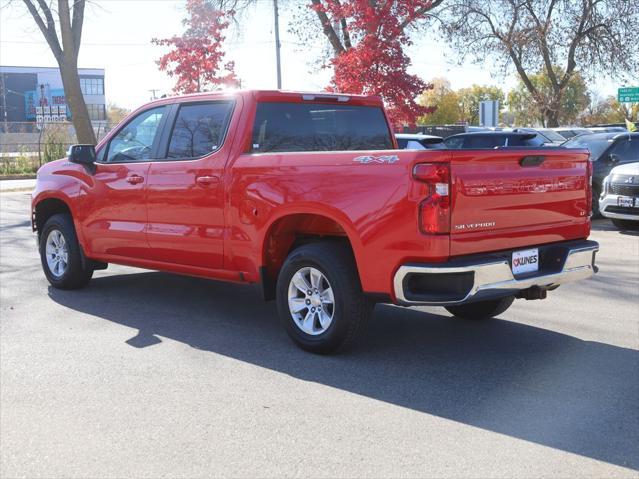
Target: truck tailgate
[{"x": 504, "y": 199}]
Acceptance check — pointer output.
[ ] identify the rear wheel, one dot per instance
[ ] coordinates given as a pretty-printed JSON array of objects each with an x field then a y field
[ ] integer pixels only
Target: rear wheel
[
  {"x": 481, "y": 309},
  {"x": 60, "y": 254},
  {"x": 626, "y": 224},
  {"x": 320, "y": 299}
]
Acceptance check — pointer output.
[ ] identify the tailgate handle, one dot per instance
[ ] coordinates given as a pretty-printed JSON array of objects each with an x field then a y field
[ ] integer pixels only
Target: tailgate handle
[{"x": 532, "y": 160}]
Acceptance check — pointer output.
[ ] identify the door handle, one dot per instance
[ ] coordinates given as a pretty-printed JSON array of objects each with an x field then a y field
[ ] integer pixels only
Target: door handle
[
  {"x": 135, "y": 179},
  {"x": 207, "y": 180}
]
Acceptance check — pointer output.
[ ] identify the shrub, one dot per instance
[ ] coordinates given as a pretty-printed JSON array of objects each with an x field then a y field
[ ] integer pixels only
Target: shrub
[{"x": 56, "y": 139}]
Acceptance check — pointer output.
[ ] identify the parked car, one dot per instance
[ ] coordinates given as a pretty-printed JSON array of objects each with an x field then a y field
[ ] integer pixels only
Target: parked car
[
  {"x": 620, "y": 196},
  {"x": 607, "y": 150},
  {"x": 569, "y": 132},
  {"x": 414, "y": 141},
  {"x": 307, "y": 195},
  {"x": 494, "y": 139},
  {"x": 550, "y": 137},
  {"x": 607, "y": 129}
]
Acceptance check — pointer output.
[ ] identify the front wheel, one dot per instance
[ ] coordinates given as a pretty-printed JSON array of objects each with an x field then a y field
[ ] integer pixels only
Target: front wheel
[
  {"x": 320, "y": 299},
  {"x": 481, "y": 309},
  {"x": 60, "y": 254}
]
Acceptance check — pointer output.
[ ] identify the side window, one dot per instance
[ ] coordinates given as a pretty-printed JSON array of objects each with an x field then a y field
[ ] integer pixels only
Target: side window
[
  {"x": 135, "y": 140},
  {"x": 454, "y": 143},
  {"x": 401, "y": 143},
  {"x": 628, "y": 150},
  {"x": 199, "y": 129}
]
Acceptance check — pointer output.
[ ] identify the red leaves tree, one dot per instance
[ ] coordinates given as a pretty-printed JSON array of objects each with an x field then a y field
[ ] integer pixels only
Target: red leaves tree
[
  {"x": 368, "y": 38},
  {"x": 196, "y": 57}
]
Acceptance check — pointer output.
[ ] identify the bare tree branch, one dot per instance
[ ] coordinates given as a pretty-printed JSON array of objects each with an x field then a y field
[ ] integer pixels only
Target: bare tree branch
[
  {"x": 327, "y": 27},
  {"x": 48, "y": 29}
]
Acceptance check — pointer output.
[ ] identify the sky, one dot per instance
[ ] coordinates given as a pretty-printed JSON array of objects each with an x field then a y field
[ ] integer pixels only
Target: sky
[{"x": 117, "y": 37}]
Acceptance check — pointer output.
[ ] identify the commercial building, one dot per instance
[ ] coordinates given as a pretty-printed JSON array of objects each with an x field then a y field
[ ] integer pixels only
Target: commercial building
[{"x": 30, "y": 94}]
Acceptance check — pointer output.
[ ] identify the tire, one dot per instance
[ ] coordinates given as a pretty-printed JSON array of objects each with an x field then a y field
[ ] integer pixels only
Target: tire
[
  {"x": 330, "y": 327},
  {"x": 481, "y": 309},
  {"x": 58, "y": 234},
  {"x": 595, "y": 203},
  {"x": 626, "y": 224}
]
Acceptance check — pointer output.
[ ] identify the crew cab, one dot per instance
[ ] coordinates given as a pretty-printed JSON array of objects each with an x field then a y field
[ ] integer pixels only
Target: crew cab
[{"x": 308, "y": 195}]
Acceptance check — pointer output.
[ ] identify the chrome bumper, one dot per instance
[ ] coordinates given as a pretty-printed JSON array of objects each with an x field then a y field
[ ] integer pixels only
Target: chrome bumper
[{"x": 491, "y": 279}]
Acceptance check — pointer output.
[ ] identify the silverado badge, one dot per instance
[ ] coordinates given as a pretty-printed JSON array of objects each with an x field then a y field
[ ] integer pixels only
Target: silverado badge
[{"x": 377, "y": 159}]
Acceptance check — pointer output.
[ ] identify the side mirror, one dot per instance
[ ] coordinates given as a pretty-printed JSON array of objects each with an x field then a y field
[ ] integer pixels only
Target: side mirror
[
  {"x": 613, "y": 158},
  {"x": 82, "y": 154}
]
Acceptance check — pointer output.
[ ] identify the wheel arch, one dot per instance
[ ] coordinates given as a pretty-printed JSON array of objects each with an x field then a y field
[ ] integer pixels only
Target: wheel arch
[
  {"x": 293, "y": 229},
  {"x": 45, "y": 208}
]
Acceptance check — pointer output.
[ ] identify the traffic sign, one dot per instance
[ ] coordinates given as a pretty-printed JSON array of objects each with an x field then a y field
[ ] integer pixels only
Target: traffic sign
[{"x": 628, "y": 94}]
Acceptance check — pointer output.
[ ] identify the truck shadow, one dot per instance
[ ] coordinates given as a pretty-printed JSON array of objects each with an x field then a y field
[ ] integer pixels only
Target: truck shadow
[
  {"x": 526, "y": 382},
  {"x": 603, "y": 224}
]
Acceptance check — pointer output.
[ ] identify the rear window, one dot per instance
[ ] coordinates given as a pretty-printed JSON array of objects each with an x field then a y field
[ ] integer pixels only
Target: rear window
[
  {"x": 484, "y": 141},
  {"x": 319, "y": 127},
  {"x": 524, "y": 141},
  {"x": 551, "y": 135}
]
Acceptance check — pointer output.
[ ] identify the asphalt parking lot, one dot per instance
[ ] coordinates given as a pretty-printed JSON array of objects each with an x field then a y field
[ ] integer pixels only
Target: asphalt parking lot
[{"x": 146, "y": 374}]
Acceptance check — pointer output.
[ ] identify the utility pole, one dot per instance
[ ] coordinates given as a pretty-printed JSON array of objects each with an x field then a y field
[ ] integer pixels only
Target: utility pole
[
  {"x": 4, "y": 102},
  {"x": 277, "y": 45},
  {"x": 153, "y": 93}
]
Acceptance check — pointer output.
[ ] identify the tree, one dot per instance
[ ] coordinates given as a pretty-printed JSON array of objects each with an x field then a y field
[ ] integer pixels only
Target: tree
[
  {"x": 368, "y": 38},
  {"x": 443, "y": 101},
  {"x": 65, "y": 49},
  {"x": 469, "y": 99},
  {"x": 558, "y": 37},
  {"x": 527, "y": 111},
  {"x": 196, "y": 57},
  {"x": 115, "y": 114},
  {"x": 607, "y": 110}
]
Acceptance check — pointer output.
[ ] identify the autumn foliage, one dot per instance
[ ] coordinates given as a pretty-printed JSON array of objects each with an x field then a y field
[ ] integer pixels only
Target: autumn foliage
[
  {"x": 370, "y": 56},
  {"x": 196, "y": 58}
]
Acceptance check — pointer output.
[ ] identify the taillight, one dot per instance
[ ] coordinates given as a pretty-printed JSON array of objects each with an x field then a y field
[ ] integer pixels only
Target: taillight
[{"x": 434, "y": 211}]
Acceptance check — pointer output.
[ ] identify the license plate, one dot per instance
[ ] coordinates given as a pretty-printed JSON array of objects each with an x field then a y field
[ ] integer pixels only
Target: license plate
[
  {"x": 627, "y": 202},
  {"x": 525, "y": 261}
]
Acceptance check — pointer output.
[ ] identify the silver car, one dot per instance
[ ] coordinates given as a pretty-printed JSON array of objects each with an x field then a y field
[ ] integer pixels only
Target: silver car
[{"x": 619, "y": 199}]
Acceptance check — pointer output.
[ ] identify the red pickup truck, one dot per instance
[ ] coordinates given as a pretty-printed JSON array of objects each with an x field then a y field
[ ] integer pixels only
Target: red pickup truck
[{"x": 307, "y": 195}]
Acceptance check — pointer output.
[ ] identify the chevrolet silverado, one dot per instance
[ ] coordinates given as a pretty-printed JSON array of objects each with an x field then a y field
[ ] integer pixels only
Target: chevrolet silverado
[{"x": 308, "y": 195}]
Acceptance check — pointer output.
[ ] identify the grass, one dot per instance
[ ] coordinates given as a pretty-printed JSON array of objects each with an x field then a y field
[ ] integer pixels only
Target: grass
[
  {"x": 55, "y": 140},
  {"x": 22, "y": 165}
]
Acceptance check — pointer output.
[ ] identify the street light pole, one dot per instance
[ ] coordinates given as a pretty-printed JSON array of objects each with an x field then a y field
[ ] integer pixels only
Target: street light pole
[{"x": 277, "y": 45}]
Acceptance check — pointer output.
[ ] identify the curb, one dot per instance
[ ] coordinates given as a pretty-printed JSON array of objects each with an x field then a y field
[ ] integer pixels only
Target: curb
[
  {"x": 17, "y": 177},
  {"x": 17, "y": 190}
]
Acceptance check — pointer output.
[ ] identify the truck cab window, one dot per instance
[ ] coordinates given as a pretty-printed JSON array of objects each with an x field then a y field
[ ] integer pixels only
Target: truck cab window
[
  {"x": 135, "y": 140},
  {"x": 199, "y": 129},
  {"x": 281, "y": 127}
]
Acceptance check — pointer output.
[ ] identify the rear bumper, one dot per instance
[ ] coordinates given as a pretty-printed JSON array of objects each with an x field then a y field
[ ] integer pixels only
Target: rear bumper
[{"x": 480, "y": 277}]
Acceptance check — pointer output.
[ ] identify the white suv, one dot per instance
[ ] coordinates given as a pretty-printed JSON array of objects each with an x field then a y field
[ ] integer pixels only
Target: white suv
[{"x": 619, "y": 199}]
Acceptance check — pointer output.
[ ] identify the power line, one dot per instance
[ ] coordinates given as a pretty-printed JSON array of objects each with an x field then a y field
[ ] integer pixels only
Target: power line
[{"x": 91, "y": 44}]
